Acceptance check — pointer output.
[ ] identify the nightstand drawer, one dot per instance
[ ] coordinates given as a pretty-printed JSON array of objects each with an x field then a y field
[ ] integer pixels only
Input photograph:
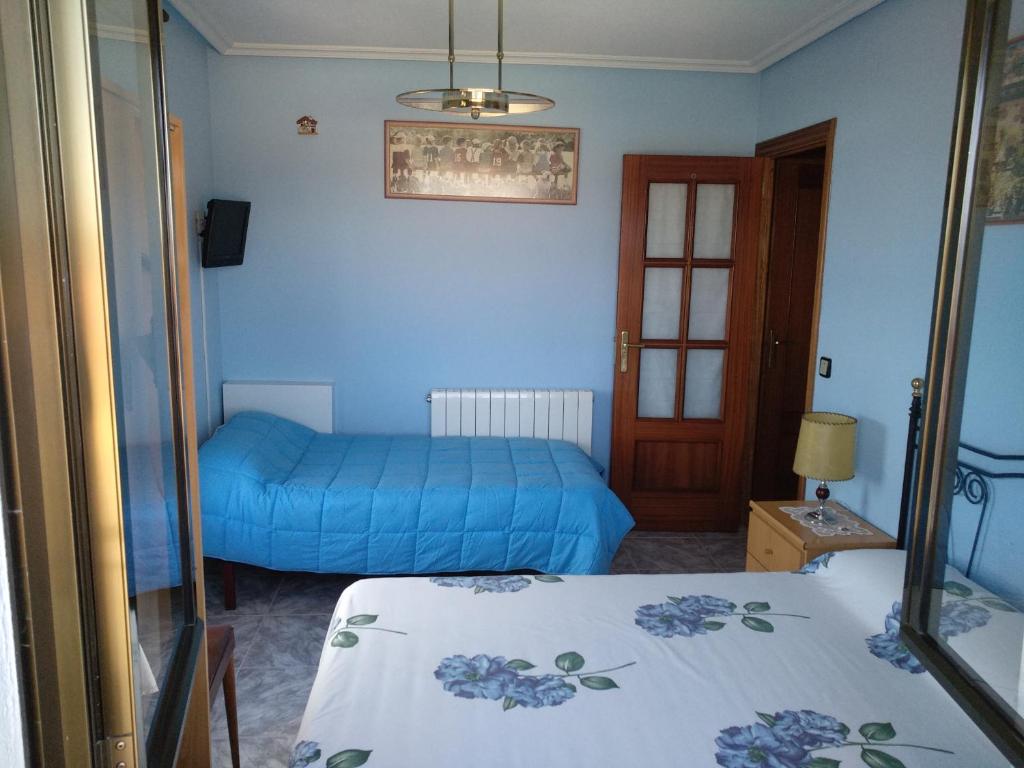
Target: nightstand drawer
[{"x": 769, "y": 549}]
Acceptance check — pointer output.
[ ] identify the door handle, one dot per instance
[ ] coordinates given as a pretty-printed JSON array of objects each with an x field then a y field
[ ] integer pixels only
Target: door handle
[
  {"x": 624, "y": 347},
  {"x": 772, "y": 344}
]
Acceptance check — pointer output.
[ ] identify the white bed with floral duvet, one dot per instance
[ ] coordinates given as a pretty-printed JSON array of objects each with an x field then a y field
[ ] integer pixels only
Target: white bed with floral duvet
[{"x": 774, "y": 670}]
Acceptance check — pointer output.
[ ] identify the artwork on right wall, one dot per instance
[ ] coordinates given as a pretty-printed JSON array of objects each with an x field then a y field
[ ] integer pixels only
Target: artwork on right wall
[{"x": 1006, "y": 200}]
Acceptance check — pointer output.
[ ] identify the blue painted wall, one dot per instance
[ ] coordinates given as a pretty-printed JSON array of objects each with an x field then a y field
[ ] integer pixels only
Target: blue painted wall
[
  {"x": 389, "y": 298},
  {"x": 188, "y": 97},
  {"x": 993, "y": 407},
  {"x": 889, "y": 76}
]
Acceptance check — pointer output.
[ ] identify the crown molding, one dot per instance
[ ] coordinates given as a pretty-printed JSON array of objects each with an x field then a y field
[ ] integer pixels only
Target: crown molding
[
  {"x": 813, "y": 30},
  {"x": 486, "y": 57},
  {"x": 124, "y": 34}
]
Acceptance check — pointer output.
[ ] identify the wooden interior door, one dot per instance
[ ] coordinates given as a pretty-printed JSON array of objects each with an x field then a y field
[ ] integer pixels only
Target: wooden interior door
[
  {"x": 687, "y": 273},
  {"x": 789, "y": 317}
]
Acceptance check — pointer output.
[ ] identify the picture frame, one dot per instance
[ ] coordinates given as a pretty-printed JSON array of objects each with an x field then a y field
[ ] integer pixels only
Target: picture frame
[
  {"x": 1006, "y": 180},
  {"x": 488, "y": 163}
]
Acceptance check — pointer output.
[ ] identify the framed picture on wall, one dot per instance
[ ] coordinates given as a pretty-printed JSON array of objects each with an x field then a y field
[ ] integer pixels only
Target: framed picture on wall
[
  {"x": 494, "y": 163},
  {"x": 1006, "y": 193}
]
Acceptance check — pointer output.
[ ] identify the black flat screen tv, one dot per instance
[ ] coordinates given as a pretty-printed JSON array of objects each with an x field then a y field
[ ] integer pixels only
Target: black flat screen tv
[{"x": 227, "y": 222}]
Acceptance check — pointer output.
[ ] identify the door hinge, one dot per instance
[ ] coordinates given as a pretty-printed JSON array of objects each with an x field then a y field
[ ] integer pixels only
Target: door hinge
[{"x": 117, "y": 751}]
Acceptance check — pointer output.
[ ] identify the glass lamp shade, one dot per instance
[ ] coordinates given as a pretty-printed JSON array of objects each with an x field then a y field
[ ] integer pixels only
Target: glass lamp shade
[
  {"x": 475, "y": 102},
  {"x": 825, "y": 447}
]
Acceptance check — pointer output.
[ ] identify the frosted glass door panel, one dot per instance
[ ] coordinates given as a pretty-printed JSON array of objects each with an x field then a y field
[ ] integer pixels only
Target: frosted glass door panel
[
  {"x": 657, "y": 396},
  {"x": 702, "y": 398},
  {"x": 663, "y": 296},
  {"x": 712, "y": 236},
  {"x": 709, "y": 300},
  {"x": 666, "y": 221}
]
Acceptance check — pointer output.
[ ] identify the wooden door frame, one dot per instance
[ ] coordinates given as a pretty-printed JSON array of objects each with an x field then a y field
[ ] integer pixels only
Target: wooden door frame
[
  {"x": 195, "y": 739},
  {"x": 818, "y": 136}
]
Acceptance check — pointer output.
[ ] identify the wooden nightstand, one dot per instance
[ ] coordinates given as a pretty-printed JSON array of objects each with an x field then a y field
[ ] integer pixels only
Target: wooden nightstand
[{"x": 777, "y": 542}]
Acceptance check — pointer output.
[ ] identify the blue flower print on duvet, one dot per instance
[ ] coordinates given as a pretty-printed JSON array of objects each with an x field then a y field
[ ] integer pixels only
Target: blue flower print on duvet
[
  {"x": 541, "y": 691},
  {"x": 959, "y": 618},
  {"x": 961, "y": 613},
  {"x": 888, "y": 645},
  {"x": 821, "y": 561},
  {"x": 686, "y": 617},
  {"x": 508, "y": 680},
  {"x": 790, "y": 739},
  {"x": 756, "y": 746},
  {"x": 809, "y": 729},
  {"x": 492, "y": 583},
  {"x": 698, "y": 614},
  {"x": 305, "y": 752},
  {"x": 480, "y": 677},
  {"x": 308, "y": 752}
]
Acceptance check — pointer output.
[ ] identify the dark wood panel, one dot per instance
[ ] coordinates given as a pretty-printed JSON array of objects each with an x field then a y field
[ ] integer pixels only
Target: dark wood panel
[
  {"x": 675, "y": 466},
  {"x": 792, "y": 267},
  {"x": 814, "y": 141}
]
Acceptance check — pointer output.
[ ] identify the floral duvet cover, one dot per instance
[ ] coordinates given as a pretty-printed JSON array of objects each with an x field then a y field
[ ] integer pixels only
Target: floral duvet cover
[{"x": 775, "y": 670}]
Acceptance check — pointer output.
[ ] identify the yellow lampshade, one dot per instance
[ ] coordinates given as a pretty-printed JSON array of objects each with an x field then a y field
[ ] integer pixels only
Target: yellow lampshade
[{"x": 825, "y": 448}]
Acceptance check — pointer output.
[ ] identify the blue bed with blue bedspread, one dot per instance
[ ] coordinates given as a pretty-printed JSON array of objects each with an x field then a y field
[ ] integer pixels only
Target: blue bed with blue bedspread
[{"x": 280, "y": 495}]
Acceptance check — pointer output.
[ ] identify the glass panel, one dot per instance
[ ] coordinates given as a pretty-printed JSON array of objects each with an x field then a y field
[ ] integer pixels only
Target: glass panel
[
  {"x": 663, "y": 296},
  {"x": 666, "y": 221},
  {"x": 657, "y": 397},
  {"x": 974, "y": 475},
  {"x": 132, "y": 200},
  {"x": 709, "y": 299},
  {"x": 703, "y": 392},
  {"x": 983, "y": 579},
  {"x": 712, "y": 235}
]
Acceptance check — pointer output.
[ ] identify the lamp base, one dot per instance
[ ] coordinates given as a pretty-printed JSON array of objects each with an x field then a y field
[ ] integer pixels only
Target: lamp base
[{"x": 822, "y": 513}]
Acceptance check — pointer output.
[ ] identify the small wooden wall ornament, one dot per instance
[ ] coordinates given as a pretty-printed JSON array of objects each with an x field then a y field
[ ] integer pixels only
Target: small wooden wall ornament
[{"x": 307, "y": 126}]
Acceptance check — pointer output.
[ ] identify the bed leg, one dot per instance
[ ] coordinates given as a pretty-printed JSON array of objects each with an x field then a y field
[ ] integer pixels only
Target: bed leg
[{"x": 228, "y": 579}]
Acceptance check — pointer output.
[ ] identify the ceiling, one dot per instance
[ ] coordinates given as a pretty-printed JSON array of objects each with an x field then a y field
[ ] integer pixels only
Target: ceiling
[{"x": 707, "y": 35}]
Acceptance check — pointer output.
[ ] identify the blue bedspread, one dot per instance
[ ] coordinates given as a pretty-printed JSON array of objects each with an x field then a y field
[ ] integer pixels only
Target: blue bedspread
[{"x": 279, "y": 495}]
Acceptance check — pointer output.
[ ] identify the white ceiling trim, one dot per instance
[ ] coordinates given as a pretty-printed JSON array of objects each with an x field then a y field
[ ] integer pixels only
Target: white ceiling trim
[
  {"x": 807, "y": 34},
  {"x": 124, "y": 34},
  {"x": 812, "y": 31},
  {"x": 486, "y": 57}
]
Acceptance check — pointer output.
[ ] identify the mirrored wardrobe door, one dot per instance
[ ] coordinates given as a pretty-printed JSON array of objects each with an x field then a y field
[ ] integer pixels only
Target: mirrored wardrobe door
[
  {"x": 964, "y": 607},
  {"x": 123, "y": 309}
]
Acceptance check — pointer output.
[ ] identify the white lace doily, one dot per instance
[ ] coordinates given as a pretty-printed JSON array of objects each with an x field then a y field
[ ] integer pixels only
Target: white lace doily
[{"x": 843, "y": 526}]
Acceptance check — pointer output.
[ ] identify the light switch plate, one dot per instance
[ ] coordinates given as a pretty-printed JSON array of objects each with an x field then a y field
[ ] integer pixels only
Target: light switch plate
[{"x": 825, "y": 367}]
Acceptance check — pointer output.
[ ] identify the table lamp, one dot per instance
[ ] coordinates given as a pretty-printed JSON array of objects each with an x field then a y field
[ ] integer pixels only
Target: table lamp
[{"x": 824, "y": 451}]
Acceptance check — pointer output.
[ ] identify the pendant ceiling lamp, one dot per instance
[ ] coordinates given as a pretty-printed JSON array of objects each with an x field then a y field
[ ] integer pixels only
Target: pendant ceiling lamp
[{"x": 475, "y": 102}]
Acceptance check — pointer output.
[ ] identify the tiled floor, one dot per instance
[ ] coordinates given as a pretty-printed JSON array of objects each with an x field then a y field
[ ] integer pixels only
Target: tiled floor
[{"x": 281, "y": 621}]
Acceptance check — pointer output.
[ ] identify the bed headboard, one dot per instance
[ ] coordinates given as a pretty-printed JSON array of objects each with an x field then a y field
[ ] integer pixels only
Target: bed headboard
[
  {"x": 973, "y": 482},
  {"x": 310, "y": 403}
]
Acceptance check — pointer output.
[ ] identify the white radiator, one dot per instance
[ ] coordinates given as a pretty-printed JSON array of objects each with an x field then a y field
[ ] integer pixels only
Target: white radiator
[{"x": 554, "y": 414}]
